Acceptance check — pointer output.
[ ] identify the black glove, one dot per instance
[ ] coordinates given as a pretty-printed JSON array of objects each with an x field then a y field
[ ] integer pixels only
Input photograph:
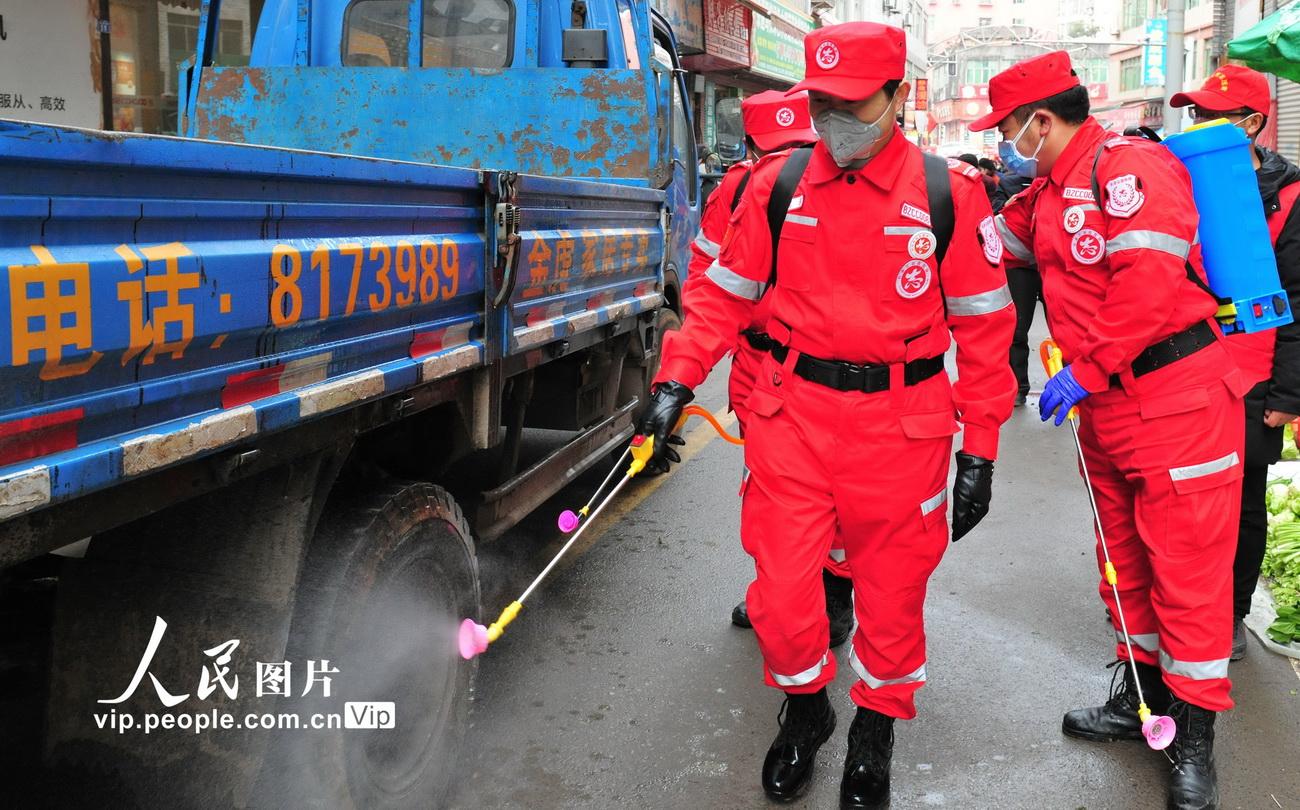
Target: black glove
[
  {"x": 660, "y": 418},
  {"x": 971, "y": 493}
]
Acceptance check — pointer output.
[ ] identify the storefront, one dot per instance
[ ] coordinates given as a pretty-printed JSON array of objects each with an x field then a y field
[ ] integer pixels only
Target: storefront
[
  {"x": 749, "y": 46},
  {"x": 150, "y": 39}
]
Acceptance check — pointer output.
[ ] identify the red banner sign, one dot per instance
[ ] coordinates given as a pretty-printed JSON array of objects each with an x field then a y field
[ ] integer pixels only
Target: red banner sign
[
  {"x": 922, "y": 94},
  {"x": 726, "y": 31}
]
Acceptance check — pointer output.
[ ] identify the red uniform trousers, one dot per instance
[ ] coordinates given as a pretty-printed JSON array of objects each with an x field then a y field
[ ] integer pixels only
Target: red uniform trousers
[
  {"x": 825, "y": 462},
  {"x": 1166, "y": 467},
  {"x": 745, "y": 366}
]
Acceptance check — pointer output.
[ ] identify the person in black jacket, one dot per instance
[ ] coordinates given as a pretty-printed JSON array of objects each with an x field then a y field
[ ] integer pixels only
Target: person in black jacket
[{"x": 1271, "y": 360}]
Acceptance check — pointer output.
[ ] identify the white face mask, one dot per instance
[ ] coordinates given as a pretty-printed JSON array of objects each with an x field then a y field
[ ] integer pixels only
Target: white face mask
[
  {"x": 848, "y": 138},
  {"x": 1242, "y": 123}
]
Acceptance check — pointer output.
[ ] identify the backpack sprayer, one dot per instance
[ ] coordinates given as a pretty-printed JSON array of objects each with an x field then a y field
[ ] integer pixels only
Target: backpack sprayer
[
  {"x": 1158, "y": 730},
  {"x": 1235, "y": 242},
  {"x": 474, "y": 638}
]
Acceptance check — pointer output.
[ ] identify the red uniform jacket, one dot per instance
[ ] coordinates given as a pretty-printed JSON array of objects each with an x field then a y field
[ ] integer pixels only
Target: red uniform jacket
[
  {"x": 713, "y": 227},
  {"x": 859, "y": 281},
  {"x": 1114, "y": 270}
]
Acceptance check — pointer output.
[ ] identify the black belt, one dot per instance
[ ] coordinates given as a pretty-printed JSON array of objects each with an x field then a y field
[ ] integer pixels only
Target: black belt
[
  {"x": 1170, "y": 350},
  {"x": 760, "y": 341},
  {"x": 849, "y": 377}
]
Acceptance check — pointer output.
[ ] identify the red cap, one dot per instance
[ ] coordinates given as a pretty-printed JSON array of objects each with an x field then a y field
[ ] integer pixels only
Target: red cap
[
  {"x": 1026, "y": 82},
  {"x": 853, "y": 60},
  {"x": 774, "y": 119},
  {"x": 1229, "y": 88}
]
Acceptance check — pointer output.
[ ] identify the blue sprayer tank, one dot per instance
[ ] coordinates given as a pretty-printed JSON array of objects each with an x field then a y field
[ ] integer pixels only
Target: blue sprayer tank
[{"x": 1235, "y": 241}]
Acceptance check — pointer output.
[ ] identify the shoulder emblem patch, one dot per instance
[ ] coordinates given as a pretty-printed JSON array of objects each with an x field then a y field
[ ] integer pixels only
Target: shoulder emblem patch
[
  {"x": 990, "y": 240},
  {"x": 1124, "y": 196}
]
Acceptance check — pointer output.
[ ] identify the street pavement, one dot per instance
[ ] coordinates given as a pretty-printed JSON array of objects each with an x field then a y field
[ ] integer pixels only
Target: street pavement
[{"x": 623, "y": 683}]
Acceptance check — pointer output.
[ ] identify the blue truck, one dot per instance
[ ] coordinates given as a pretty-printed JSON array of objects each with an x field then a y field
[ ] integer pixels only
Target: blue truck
[{"x": 269, "y": 382}]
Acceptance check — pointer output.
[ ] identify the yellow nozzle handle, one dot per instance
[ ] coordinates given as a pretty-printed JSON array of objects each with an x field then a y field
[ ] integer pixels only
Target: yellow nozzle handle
[
  {"x": 507, "y": 616},
  {"x": 643, "y": 449},
  {"x": 1112, "y": 577},
  {"x": 1144, "y": 714},
  {"x": 1053, "y": 362}
]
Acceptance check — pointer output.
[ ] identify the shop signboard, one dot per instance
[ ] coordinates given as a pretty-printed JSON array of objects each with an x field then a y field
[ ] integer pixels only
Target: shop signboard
[
  {"x": 687, "y": 22},
  {"x": 1153, "y": 54},
  {"x": 49, "y": 63},
  {"x": 778, "y": 41}
]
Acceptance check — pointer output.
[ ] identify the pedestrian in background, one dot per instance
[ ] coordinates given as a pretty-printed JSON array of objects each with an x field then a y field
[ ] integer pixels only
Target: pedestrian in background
[
  {"x": 774, "y": 122},
  {"x": 852, "y": 416},
  {"x": 1159, "y": 395},
  {"x": 1023, "y": 279},
  {"x": 1270, "y": 360}
]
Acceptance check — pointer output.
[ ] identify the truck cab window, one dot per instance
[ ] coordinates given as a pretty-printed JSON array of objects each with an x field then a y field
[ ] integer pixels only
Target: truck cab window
[
  {"x": 467, "y": 33},
  {"x": 377, "y": 33}
]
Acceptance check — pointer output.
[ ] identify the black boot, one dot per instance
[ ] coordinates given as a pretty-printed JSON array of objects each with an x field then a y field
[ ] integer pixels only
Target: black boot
[
  {"x": 866, "y": 768},
  {"x": 1192, "y": 782},
  {"x": 839, "y": 606},
  {"x": 806, "y": 722},
  {"x": 740, "y": 615},
  {"x": 1118, "y": 719}
]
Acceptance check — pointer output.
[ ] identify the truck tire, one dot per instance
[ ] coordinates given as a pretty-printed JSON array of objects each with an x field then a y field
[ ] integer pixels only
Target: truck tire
[{"x": 387, "y": 580}]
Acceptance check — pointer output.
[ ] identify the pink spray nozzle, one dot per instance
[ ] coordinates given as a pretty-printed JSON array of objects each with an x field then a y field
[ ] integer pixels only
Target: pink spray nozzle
[
  {"x": 568, "y": 521},
  {"x": 472, "y": 639},
  {"x": 1159, "y": 731}
]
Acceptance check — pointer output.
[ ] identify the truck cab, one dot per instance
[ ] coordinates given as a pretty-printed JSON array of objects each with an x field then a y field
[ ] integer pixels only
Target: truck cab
[{"x": 589, "y": 89}]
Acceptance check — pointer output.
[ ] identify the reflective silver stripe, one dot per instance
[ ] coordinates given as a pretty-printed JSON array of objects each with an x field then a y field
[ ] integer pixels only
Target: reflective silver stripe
[
  {"x": 1196, "y": 670},
  {"x": 1208, "y": 468},
  {"x": 981, "y": 304},
  {"x": 1011, "y": 241},
  {"x": 734, "y": 283},
  {"x": 800, "y": 219},
  {"x": 931, "y": 504},
  {"x": 917, "y": 676},
  {"x": 707, "y": 245},
  {"x": 807, "y": 676},
  {"x": 903, "y": 230},
  {"x": 1149, "y": 240},
  {"x": 1087, "y": 207},
  {"x": 837, "y": 554},
  {"x": 1147, "y": 641}
]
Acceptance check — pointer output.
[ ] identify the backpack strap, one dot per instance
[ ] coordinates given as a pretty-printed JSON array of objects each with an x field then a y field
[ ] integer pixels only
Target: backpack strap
[
  {"x": 1192, "y": 275},
  {"x": 740, "y": 190},
  {"x": 778, "y": 205},
  {"x": 938, "y": 190}
]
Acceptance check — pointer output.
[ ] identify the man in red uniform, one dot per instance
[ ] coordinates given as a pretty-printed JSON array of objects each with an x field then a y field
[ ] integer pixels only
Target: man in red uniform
[
  {"x": 774, "y": 122},
  {"x": 851, "y": 417},
  {"x": 1270, "y": 360},
  {"x": 1160, "y": 398}
]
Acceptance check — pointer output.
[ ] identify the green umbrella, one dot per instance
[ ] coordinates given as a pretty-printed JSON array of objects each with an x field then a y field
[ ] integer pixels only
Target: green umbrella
[{"x": 1273, "y": 45}]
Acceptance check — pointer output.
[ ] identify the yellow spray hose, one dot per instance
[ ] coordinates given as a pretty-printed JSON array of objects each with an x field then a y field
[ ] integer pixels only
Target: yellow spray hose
[{"x": 1053, "y": 361}]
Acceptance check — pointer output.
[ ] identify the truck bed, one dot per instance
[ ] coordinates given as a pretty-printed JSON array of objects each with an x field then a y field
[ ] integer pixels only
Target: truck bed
[{"x": 168, "y": 298}]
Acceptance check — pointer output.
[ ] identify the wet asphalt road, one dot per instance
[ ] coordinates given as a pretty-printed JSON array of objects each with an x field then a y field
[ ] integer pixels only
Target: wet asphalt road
[{"x": 623, "y": 684}]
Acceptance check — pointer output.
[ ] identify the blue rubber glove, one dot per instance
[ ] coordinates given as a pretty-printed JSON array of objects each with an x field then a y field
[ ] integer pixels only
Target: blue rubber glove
[{"x": 1061, "y": 393}]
